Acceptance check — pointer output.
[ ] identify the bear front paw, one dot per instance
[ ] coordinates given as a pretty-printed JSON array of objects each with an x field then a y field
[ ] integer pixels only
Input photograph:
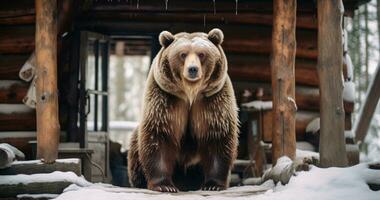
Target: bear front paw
[
  {"x": 165, "y": 188},
  {"x": 213, "y": 186}
]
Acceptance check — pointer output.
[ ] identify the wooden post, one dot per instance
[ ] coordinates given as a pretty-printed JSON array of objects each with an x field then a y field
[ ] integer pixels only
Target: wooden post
[
  {"x": 366, "y": 112},
  {"x": 283, "y": 79},
  {"x": 330, "y": 71},
  {"x": 46, "y": 80}
]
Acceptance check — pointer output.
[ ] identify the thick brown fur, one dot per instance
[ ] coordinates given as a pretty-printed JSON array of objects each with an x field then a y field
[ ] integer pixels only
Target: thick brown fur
[{"x": 188, "y": 136}]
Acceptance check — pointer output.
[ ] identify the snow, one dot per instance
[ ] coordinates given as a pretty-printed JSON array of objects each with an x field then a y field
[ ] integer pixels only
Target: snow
[
  {"x": 258, "y": 105},
  {"x": 67, "y": 160},
  {"x": 313, "y": 126},
  {"x": 45, "y": 178},
  {"x": 37, "y": 196},
  {"x": 318, "y": 183},
  {"x": 300, "y": 154},
  {"x": 349, "y": 91},
  {"x": 14, "y": 108}
]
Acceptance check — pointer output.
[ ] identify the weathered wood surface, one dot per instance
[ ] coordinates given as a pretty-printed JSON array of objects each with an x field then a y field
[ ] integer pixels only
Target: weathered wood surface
[
  {"x": 251, "y": 38},
  {"x": 10, "y": 65},
  {"x": 17, "y": 120},
  {"x": 304, "y": 20},
  {"x": 366, "y": 112},
  {"x": 12, "y": 92},
  {"x": 283, "y": 79},
  {"x": 18, "y": 39},
  {"x": 46, "y": 82},
  {"x": 330, "y": 50},
  {"x": 38, "y": 167},
  {"x": 257, "y": 68}
]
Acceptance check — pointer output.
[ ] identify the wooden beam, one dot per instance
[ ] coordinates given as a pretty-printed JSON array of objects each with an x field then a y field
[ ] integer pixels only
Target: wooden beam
[
  {"x": 283, "y": 79},
  {"x": 46, "y": 80},
  {"x": 10, "y": 65},
  {"x": 38, "y": 167},
  {"x": 12, "y": 92},
  {"x": 366, "y": 112},
  {"x": 330, "y": 71}
]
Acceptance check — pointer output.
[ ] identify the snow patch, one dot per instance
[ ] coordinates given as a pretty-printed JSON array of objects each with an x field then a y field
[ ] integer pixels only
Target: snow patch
[
  {"x": 258, "y": 105},
  {"x": 349, "y": 91},
  {"x": 313, "y": 126},
  {"x": 44, "y": 178}
]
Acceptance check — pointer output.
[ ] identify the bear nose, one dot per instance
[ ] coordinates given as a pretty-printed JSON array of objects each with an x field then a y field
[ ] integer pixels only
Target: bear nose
[{"x": 193, "y": 71}]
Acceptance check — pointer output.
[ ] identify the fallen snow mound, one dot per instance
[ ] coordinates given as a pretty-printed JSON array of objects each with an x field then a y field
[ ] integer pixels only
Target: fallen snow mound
[{"x": 330, "y": 183}]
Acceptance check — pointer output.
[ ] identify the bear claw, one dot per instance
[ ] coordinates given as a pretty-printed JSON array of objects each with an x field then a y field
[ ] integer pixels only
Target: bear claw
[
  {"x": 212, "y": 188},
  {"x": 165, "y": 188}
]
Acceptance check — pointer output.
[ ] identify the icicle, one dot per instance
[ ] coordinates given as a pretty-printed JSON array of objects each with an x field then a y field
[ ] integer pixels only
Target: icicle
[
  {"x": 236, "y": 7},
  {"x": 214, "y": 6},
  {"x": 204, "y": 20},
  {"x": 166, "y": 4}
]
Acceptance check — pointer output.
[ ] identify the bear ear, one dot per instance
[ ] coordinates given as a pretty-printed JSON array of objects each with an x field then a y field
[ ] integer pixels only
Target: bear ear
[
  {"x": 165, "y": 38},
  {"x": 216, "y": 36}
]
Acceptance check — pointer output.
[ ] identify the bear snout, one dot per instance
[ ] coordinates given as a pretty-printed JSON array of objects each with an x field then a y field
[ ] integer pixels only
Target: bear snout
[{"x": 193, "y": 71}]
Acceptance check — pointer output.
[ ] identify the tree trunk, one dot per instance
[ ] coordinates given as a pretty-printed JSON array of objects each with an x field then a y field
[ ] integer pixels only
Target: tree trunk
[
  {"x": 46, "y": 80},
  {"x": 368, "y": 108},
  {"x": 366, "y": 46},
  {"x": 283, "y": 79},
  {"x": 330, "y": 68}
]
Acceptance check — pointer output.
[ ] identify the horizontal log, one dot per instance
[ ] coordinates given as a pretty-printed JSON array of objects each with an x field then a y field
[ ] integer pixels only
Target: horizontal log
[
  {"x": 10, "y": 65},
  {"x": 21, "y": 143},
  {"x": 18, "y": 20},
  {"x": 17, "y": 118},
  {"x": 194, "y": 6},
  {"x": 307, "y": 98},
  {"x": 12, "y": 92},
  {"x": 257, "y": 68},
  {"x": 304, "y": 20},
  {"x": 18, "y": 39},
  {"x": 38, "y": 167},
  {"x": 303, "y": 118},
  {"x": 238, "y": 38}
]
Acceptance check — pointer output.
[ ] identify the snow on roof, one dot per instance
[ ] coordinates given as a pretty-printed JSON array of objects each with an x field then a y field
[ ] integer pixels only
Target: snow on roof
[
  {"x": 318, "y": 183},
  {"x": 43, "y": 178}
]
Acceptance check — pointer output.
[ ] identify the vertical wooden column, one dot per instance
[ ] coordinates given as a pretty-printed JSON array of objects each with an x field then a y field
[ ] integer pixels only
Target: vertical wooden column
[
  {"x": 330, "y": 71},
  {"x": 283, "y": 79},
  {"x": 46, "y": 80}
]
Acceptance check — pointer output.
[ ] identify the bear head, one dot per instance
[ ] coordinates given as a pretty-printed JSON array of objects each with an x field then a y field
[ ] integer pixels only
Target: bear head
[{"x": 190, "y": 65}]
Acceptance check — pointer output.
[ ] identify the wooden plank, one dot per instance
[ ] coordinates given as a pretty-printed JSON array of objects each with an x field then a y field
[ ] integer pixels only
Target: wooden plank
[
  {"x": 257, "y": 68},
  {"x": 12, "y": 92},
  {"x": 10, "y": 65},
  {"x": 18, "y": 39},
  {"x": 18, "y": 121},
  {"x": 304, "y": 20},
  {"x": 330, "y": 70},
  {"x": 307, "y": 98},
  {"x": 46, "y": 82},
  {"x": 283, "y": 79},
  {"x": 38, "y": 167},
  {"x": 366, "y": 112},
  {"x": 238, "y": 38}
]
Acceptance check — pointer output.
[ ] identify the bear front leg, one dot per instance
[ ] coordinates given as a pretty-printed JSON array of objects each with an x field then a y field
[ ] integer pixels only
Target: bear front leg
[
  {"x": 216, "y": 163},
  {"x": 158, "y": 159}
]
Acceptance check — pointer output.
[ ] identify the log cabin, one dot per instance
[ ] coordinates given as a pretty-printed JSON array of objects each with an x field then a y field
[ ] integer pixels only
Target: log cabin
[{"x": 58, "y": 37}]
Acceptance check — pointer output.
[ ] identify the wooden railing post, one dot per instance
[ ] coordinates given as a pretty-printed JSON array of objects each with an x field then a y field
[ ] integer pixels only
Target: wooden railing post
[
  {"x": 330, "y": 71},
  {"x": 283, "y": 79},
  {"x": 46, "y": 80}
]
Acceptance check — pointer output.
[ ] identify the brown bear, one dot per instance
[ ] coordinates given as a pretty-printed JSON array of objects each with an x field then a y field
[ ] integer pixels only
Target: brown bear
[{"x": 188, "y": 135}]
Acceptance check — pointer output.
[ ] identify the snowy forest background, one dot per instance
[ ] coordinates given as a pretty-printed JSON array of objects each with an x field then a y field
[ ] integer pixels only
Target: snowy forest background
[
  {"x": 364, "y": 46},
  {"x": 128, "y": 74}
]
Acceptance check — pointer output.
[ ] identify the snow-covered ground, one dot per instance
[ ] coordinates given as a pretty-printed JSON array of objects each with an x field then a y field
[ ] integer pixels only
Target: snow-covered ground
[{"x": 330, "y": 183}]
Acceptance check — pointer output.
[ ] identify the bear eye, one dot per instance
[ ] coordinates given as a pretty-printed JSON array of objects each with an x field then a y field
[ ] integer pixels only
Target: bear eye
[
  {"x": 183, "y": 55},
  {"x": 201, "y": 55}
]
